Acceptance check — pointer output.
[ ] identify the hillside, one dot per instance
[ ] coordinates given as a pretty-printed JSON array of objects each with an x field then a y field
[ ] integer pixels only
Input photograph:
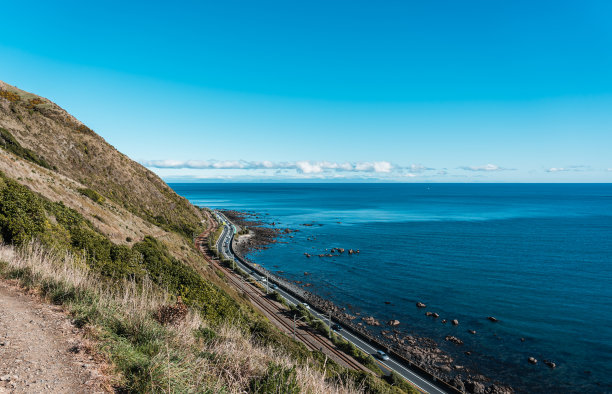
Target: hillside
[
  {"x": 67, "y": 146},
  {"x": 84, "y": 227}
]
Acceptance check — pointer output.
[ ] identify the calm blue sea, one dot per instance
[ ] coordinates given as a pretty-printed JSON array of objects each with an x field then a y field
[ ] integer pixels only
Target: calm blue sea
[{"x": 536, "y": 256}]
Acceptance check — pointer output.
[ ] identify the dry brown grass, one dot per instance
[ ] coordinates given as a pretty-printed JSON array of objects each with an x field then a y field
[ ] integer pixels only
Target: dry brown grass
[{"x": 227, "y": 362}]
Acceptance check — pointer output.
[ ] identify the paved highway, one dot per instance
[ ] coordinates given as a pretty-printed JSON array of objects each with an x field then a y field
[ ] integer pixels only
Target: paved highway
[{"x": 224, "y": 246}]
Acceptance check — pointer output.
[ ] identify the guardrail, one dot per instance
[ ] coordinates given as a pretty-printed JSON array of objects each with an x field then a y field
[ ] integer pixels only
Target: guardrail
[{"x": 360, "y": 332}]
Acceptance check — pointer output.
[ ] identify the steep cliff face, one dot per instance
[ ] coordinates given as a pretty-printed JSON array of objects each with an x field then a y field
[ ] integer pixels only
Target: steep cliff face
[{"x": 61, "y": 143}]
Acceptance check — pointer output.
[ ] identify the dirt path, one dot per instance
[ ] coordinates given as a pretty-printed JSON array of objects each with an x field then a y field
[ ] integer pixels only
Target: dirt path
[{"x": 40, "y": 351}]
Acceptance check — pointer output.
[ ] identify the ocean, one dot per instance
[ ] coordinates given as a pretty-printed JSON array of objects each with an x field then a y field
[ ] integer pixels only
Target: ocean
[{"x": 538, "y": 257}]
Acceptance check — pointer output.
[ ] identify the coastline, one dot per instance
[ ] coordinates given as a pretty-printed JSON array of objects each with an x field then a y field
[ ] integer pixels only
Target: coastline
[{"x": 419, "y": 351}]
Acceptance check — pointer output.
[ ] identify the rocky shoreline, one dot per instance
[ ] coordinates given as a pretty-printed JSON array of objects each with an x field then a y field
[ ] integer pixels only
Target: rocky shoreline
[{"x": 421, "y": 351}]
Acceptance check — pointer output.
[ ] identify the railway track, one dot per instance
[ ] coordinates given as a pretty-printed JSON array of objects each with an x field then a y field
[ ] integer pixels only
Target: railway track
[
  {"x": 273, "y": 310},
  {"x": 302, "y": 331}
]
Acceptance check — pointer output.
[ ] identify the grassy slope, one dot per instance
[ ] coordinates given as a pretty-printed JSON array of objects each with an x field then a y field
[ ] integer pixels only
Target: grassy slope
[
  {"x": 75, "y": 151},
  {"x": 71, "y": 196}
]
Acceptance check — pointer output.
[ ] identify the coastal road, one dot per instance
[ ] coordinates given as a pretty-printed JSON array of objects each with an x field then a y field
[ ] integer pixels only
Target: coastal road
[
  {"x": 276, "y": 313},
  {"x": 425, "y": 385}
]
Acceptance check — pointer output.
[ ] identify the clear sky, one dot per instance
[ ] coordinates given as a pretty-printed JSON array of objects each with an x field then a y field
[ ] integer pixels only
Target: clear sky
[{"x": 414, "y": 91}]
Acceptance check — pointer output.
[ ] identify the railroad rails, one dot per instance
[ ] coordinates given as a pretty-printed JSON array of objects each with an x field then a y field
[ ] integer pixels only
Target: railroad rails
[{"x": 303, "y": 333}]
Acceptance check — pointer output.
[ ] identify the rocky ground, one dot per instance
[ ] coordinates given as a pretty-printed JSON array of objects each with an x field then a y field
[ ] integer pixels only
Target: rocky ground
[
  {"x": 261, "y": 233},
  {"x": 41, "y": 351}
]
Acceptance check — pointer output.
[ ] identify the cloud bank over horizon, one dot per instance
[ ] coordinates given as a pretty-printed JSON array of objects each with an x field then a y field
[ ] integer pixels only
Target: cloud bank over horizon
[
  {"x": 301, "y": 166},
  {"x": 327, "y": 170}
]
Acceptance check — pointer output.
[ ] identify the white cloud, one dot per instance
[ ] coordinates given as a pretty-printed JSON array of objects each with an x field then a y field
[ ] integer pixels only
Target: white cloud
[
  {"x": 569, "y": 168},
  {"x": 302, "y": 166},
  {"x": 486, "y": 167}
]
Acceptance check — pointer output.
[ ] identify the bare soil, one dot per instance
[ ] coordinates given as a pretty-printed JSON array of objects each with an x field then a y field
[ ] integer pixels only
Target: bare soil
[{"x": 41, "y": 351}]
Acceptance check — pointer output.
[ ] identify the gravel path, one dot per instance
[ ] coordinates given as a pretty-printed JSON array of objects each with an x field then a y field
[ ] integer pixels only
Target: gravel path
[{"x": 40, "y": 351}]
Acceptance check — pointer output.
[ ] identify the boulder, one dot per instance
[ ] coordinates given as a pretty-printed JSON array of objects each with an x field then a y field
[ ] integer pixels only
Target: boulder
[
  {"x": 420, "y": 305},
  {"x": 443, "y": 321},
  {"x": 435, "y": 315},
  {"x": 455, "y": 322},
  {"x": 474, "y": 387},
  {"x": 473, "y": 332},
  {"x": 454, "y": 340},
  {"x": 458, "y": 383},
  {"x": 497, "y": 389},
  {"x": 371, "y": 321},
  {"x": 532, "y": 360},
  {"x": 393, "y": 323},
  {"x": 550, "y": 364},
  {"x": 491, "y": 318}
]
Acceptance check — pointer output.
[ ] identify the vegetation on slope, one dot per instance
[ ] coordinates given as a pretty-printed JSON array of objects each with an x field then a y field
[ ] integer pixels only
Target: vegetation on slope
[
  {"x": 9, "y": 143},
  {"x": 43, "y": 130},
  {"x": 150, "y": 356},
  {"x": 93, "y": 195},
  {"x": 137, "y": 344}
]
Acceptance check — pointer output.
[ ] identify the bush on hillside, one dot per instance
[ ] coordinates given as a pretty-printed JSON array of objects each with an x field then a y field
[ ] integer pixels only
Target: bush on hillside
[
  {"x": 277, "y": 379},
  {"x": 93, "y": 195},
  {"x": 22, "y": 214},
  {"x": 9, "y": 143},
  {"x": 10, "y": 96}
]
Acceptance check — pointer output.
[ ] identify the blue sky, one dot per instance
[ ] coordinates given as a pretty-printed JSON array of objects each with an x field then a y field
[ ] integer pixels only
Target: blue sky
[{"x": 414, "y": 91}]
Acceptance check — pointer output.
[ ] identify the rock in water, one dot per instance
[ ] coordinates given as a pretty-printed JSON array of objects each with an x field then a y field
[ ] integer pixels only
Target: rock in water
[
  {"x": 393, "y": 323},
  {"x": 474, "y": 387},
  {"x": 454, "y": 340},
  {"x": 532, "y": 360},
  {"x": 455, "y": 322},
  {"x": 371, "y": 321},
  {"x": 550, "y": 364},
  {"x": 420, "y": 305},
  {"x": 491, "y": 318}
]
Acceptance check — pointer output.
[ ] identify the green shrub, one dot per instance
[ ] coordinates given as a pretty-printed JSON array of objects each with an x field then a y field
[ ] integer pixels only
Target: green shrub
[
  {"x": 365, "y": 359},
  {"x": 206, "y": 334},
  {"x": 22, "y": 213},
  {"x": 394, "y": 379},
  {"x": 93, "y": 195},
  {"x": 9, "y": 143},
  {"x": 182, "y": 280},
  {"x": 275, "y": 295},
  {"x": 277, "y": 379},
  {"x": 320, "y": 327}
]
